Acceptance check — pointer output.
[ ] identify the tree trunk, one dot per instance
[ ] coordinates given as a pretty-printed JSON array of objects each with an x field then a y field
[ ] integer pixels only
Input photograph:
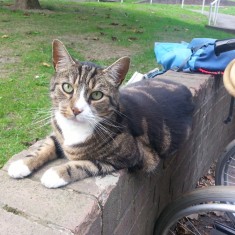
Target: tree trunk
[{"x": 27, "y": 4}]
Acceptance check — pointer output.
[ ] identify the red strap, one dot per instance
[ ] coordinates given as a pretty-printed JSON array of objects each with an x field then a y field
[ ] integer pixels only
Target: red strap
[{"x": 210, "y": 72}]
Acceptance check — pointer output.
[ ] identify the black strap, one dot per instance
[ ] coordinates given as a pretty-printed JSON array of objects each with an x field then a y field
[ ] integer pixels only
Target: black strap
[
  {"x": 230, "y": 114},
  {"x": 224, "y": 45}
]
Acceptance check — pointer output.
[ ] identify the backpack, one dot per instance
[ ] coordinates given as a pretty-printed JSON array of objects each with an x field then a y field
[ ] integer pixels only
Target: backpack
[{"x": 196, "y": 56}]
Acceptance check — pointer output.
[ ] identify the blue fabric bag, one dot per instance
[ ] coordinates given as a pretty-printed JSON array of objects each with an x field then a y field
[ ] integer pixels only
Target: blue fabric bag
[
  {"x": 172, "y": 55},
  {"x": 198, "y": 55}
]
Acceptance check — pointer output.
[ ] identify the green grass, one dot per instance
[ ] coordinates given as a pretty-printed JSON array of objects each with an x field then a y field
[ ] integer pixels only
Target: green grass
[
  {"x": 100, "y": 32},
  {"x": 230, "y": 10}
]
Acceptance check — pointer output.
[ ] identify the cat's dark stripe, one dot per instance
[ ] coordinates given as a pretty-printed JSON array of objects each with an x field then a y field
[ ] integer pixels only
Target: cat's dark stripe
[
  {"x": 88, "y": 172},
  {"x": 69, "y": 170},
  {"x": 91, "y": 75},
  {"x": 78, "y": 167},
  {"x": 136, "y": 167},
  {"x": 78, "y": 76},
  {"x": 91, "y": 84},
  {"x": 111, "y": 100},
  {"x": 114, "y": 166},
  {"x": 59, "y": 150},
  {"x": 57, "y": 126},
  {"x": 88, "y": 81},
  {"x": 86, "y": 73},
  {"x": 52, "y": 89},
  {"x": 97, "y": 165},
  {"x": 30, "y": 155}
]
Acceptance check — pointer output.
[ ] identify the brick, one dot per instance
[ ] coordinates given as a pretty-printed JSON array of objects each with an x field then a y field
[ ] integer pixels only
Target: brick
[
  {"x": 99, "y": 187},
  {"x": 63, "y": 208},
  {"x": 14, "y": 224}
]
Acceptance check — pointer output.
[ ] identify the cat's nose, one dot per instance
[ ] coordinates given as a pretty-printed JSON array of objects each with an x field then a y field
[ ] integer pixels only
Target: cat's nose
[{"x": 76, "y": 111}]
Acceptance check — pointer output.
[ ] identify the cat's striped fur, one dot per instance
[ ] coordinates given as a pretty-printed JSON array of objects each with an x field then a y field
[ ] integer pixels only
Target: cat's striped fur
[{"x": 101, "y": 128}]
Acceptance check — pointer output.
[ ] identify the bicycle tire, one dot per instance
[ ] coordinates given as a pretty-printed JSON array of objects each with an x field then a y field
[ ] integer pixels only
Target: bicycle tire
[
  {"x": 224, "y": 164},
  {"x": 189, "y": 203},
  {"x": 225, "y": 170}
]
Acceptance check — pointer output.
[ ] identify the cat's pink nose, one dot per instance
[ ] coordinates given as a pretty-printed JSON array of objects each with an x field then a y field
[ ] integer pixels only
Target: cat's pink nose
[{"x": 76, "y": 111}]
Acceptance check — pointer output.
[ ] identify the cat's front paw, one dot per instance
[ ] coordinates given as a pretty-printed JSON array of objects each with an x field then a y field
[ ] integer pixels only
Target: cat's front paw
[
  {"x": 18, "y": 169},
  {"x": 51, "y": 179}
]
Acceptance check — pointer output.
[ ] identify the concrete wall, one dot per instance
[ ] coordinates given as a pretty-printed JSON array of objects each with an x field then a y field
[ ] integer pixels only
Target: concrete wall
[{"x": 122, "y": 203}]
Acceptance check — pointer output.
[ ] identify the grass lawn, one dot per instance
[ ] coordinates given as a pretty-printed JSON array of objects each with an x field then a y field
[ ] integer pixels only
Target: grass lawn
[
  {"x": 100, "y": 32},
  {"x": 230, "y": 10}
]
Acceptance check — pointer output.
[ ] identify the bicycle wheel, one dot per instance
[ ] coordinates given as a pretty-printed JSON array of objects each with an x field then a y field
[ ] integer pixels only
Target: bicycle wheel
[
  {"x": 179, "y": 217},
  {"x": 225, "y": 169}
]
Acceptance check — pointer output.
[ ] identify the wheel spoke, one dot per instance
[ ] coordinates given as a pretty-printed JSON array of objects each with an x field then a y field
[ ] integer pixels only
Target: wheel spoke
[
  {"x": 231, "y": 176},
  {"x": 193, "y": 227}
]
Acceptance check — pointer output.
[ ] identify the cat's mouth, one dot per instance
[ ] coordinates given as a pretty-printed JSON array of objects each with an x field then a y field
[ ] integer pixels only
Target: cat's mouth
[
  {"x": 84, "y": 117},
  {"x": 76, "y": 118},
  {"x": 81, "y": 118}
]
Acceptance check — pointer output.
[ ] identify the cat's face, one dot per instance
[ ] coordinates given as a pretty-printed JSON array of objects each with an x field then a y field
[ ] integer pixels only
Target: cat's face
[{"x": 84, "y": 92}]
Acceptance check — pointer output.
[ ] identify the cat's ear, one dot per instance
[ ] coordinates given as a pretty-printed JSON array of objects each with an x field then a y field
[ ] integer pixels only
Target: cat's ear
[
  {"x": 118, "y": 70},
  {"x": 61, "y": 58}
]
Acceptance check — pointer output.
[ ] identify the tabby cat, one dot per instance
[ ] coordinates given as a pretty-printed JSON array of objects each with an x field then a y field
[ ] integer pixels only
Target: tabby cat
[{"x": 101, "y": 127}]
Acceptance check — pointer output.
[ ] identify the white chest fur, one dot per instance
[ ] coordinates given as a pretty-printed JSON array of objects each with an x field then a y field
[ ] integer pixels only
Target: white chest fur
[{"x": 73, "y": 132}]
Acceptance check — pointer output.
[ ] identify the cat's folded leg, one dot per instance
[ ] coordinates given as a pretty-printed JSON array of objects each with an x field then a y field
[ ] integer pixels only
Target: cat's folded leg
[
  {"x": 45, "y": 153},
  {"x": 73, "y": 171}
]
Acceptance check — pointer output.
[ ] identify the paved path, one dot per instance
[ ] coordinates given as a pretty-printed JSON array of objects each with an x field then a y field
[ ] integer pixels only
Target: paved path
[{"x": 224, "y": 22}]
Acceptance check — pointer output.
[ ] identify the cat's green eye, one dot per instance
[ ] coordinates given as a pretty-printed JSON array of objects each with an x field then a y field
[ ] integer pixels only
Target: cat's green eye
[
  {"x": 68, "y": 88},
  {"x": 96, "y": 95}
]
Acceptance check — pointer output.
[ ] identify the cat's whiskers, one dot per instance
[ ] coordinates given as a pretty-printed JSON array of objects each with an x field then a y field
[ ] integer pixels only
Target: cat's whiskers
[
  {"x": 101, "y": 135},
  {"x": 40, "y": 112},
  {"x": 102, "y": 131},
  {"x": 94, "y": 122},
  {"x": 121, "y": 114},
  {"x": 44, "y": 124},
  {"x": 105, "y": 131},
  {"x": 113, "y": 123},
  {"x": 44, "y": 119}
]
